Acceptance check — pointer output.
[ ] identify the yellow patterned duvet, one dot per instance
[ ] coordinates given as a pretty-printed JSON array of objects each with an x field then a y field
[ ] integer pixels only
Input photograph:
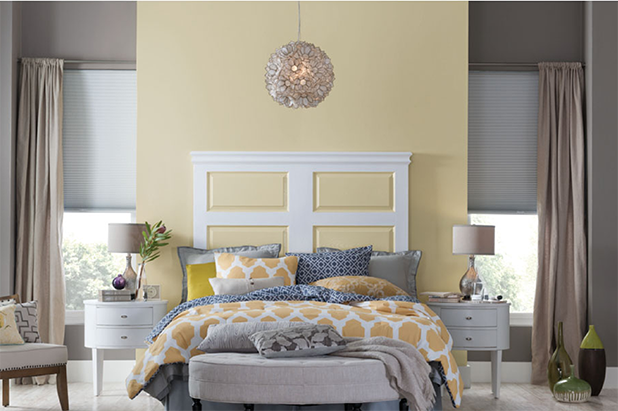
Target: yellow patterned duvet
[{"x": 412, "y": 322}]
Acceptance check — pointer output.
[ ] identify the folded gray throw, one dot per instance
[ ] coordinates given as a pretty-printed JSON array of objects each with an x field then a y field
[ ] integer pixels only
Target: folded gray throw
[{"x": 407, "y": 370}]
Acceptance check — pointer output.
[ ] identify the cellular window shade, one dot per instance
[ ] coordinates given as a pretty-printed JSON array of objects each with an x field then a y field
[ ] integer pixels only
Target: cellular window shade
[
  {"x": 99, "y": 139},
  {"x": 502, "y": 141}
]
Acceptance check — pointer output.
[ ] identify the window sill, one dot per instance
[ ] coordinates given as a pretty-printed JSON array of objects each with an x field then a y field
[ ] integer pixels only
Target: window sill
[
  {"x": 74, "y": 317},
  {"x": 521, "y": 319}
]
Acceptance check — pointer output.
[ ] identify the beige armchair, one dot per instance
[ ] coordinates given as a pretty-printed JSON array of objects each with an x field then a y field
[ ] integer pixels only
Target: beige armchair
[{"x": 31, "y": 360}]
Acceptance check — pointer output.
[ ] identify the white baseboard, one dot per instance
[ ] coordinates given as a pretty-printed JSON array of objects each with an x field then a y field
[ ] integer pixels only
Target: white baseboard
[
  {"x": 520, "y": 373},
  {"x": 466, "y": 375},
  {"x": 611, "y": 378},
  {"x": 113, "y": 370},
  {"x": 513, "y": 372}
]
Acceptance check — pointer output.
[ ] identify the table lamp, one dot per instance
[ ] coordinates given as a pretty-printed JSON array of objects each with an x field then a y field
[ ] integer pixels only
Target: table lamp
[
  {"x": 126, "y": 238},
  {"x": 473, "y": 240}
]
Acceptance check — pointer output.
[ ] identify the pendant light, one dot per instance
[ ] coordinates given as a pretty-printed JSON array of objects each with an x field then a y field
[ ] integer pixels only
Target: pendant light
[{"x": 299, "y": 74}]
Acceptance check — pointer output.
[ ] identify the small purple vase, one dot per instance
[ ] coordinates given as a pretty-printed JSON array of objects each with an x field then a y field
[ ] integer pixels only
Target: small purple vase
[{"x": 119, "y": 282}]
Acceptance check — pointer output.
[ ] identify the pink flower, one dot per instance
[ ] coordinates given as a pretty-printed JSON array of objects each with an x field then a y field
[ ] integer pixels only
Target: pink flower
[{"x": 161, "y": 230}]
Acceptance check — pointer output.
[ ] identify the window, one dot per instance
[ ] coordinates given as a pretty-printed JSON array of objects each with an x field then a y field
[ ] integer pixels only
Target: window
[
  {"x": 99, "y": 150},
  {"x": 502, "y": 143},
  {"x": 511, "y": 272},
  {"x": 88, "y": 266}
]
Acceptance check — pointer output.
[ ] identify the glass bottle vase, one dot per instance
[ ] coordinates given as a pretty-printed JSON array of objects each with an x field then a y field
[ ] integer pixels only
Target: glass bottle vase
[
  {"x": 559, "y": 366},
  {"x": 142, "y": 281}
]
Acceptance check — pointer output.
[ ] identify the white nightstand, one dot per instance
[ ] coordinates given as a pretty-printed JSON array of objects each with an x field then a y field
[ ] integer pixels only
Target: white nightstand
[
  {"x": 478, "y": 327},
  {"x": 118, "y": 325}
]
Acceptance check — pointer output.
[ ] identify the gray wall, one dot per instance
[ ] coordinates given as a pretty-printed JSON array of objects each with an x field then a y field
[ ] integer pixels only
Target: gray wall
[
  {"x": 79, "y": 30},
  {"x": 524, "y": 32},
  {"x": 601, "y": 53},
  {"x": 9, "y": 50}
]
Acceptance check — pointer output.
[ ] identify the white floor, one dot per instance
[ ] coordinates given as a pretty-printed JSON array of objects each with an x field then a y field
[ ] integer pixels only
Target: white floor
[{"x": 514, "y": 397}]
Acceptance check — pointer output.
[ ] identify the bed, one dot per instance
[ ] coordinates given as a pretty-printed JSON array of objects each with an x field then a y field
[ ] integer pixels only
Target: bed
[{"x": 303, "y": 201}]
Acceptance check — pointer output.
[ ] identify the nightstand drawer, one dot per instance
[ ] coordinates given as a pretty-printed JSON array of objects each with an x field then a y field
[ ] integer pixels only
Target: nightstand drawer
[
  {"x": 119, "y": 316},
  {"x": 121, "y": 337},
  {"x": 474, "y": 338},
  {"x": 468, "y": 318}
]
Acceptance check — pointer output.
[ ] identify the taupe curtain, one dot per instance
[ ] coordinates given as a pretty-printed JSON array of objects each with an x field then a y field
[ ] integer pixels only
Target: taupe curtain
[
  {"x": 562, "y": 276},
  {"x": 39, "y": 273}
]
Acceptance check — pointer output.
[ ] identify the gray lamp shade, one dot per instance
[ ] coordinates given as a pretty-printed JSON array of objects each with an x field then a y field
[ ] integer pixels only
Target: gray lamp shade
[
  {"x": 474, "y": 239},
  {"x": 125, "y": 238}
]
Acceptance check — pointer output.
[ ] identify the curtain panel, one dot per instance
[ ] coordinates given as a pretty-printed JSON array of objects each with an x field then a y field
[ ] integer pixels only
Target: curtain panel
[
  {"x": 39, "y": 273},
  {"x": 561, "y": 289}
]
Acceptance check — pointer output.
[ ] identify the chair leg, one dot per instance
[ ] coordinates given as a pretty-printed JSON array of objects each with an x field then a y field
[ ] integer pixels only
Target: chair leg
[
  {"x": 248, "y": 407},
  {"x": 197, "y": 405},
  {"x": 357, "y": 407},
  {"x": 5, "y": 392},
  {"x": 403, "y": 405},
  {"x": 62, "y": 387}
]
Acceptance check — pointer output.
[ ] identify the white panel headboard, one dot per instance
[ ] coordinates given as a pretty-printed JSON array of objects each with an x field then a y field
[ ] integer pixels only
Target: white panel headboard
[{"x": 301, "y": 171}]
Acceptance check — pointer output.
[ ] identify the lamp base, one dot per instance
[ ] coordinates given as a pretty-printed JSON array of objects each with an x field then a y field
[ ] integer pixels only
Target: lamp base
[
  {"x": 130, "y": 276},
  {"x": 468, "y": 285}
]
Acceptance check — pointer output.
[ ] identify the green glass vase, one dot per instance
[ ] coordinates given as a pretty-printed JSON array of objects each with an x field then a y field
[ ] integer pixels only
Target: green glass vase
[
  {"x": 592, "y": 361},
  {"x": 572, "y": 389},
  {"x": 559, "y": 366}
]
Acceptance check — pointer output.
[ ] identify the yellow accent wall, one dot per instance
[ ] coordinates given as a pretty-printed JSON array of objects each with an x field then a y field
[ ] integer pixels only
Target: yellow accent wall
[{"x": 401, "y": 85}]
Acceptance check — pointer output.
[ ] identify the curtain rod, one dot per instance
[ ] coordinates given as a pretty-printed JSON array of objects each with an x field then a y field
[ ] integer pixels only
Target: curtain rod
[
  {"x": 94, "y": 61},
  {"x": 533, "y": 66}
]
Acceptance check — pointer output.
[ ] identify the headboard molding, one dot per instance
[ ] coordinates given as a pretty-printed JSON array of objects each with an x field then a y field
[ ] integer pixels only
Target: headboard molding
[{"x": 305, "y": 199}]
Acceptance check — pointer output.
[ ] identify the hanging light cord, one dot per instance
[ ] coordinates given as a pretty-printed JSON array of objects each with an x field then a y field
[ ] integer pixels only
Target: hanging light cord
[{"x": 299, "y": 20}]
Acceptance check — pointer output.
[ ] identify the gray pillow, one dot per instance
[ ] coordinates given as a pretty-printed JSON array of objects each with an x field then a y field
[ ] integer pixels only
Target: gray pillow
[
  {"x": 26, "y": 321},
  {"x": 234, "y": 337},
  {"x": 235, "y": 286},
  {"x": 190, "y": 255},
  {"x": 298, "y": 341},
  {"x": 398, "y": 268}
]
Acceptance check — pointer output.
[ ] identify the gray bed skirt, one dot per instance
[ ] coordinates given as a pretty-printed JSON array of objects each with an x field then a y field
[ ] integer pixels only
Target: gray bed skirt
[{"x": 178, "y": 399}]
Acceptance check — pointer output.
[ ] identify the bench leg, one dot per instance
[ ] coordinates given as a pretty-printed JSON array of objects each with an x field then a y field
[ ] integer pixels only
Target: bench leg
[
  {"x": 248, "y": 407},
  {"x": 403, "y": 405},
  {"x": 5, "y": 392},
  {"x": 197, "y": 405},
  {"x": 62, "y": 387},
  {"x": 357, "y": 407}
]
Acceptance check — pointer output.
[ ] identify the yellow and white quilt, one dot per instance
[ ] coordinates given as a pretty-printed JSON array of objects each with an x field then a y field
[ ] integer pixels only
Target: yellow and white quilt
[{"x": 412, "y": 322}]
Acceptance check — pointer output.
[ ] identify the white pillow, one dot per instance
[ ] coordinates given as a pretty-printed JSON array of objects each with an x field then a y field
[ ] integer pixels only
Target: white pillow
[{"x": 228, "y": 286}]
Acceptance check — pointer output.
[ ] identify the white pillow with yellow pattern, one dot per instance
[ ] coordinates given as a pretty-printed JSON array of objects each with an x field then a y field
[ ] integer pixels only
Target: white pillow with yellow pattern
[
  {"x": 9, "y": 334},
  {"x": 364, "y": 285},
  {"x": 236, "y": 266}
]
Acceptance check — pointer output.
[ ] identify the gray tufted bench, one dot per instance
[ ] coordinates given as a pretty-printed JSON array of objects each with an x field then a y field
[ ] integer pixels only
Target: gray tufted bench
[{"x": 252, "y": 379}]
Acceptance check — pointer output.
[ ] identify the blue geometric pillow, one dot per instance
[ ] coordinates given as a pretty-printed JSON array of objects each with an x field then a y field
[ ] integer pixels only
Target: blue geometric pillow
[{"x": 316, "y": 266}]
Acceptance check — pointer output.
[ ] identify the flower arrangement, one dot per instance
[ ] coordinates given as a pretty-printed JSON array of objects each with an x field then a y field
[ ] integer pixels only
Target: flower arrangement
[{"x": 155, "y": 237}]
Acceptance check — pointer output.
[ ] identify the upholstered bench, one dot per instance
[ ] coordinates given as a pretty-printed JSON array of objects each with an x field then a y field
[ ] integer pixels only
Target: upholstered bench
[
  {"x": 34, "y": 359},
  {"x": 252, "y": 379}
]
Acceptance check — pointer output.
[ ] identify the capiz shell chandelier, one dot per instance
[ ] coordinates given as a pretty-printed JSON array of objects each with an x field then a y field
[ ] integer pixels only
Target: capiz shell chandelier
[{"x": 299, "y": 74}]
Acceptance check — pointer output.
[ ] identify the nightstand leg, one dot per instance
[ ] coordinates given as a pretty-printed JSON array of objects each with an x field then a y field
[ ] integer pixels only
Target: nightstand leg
[
  {"x": 496, "y": 372},
  {"x": 97, "y": 370}
]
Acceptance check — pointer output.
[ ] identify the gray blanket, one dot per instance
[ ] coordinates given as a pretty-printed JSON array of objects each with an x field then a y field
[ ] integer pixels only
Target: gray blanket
[{"x": 407, "y": 370}]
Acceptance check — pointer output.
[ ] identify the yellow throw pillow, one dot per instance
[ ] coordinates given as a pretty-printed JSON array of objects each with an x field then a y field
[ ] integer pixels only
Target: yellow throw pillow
[
  {"x": 197, "y": 280},
  {"x": 364, "y": 285},
  {"x": 8, "y": 328},
  {"x": 235, "y": 266}
]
